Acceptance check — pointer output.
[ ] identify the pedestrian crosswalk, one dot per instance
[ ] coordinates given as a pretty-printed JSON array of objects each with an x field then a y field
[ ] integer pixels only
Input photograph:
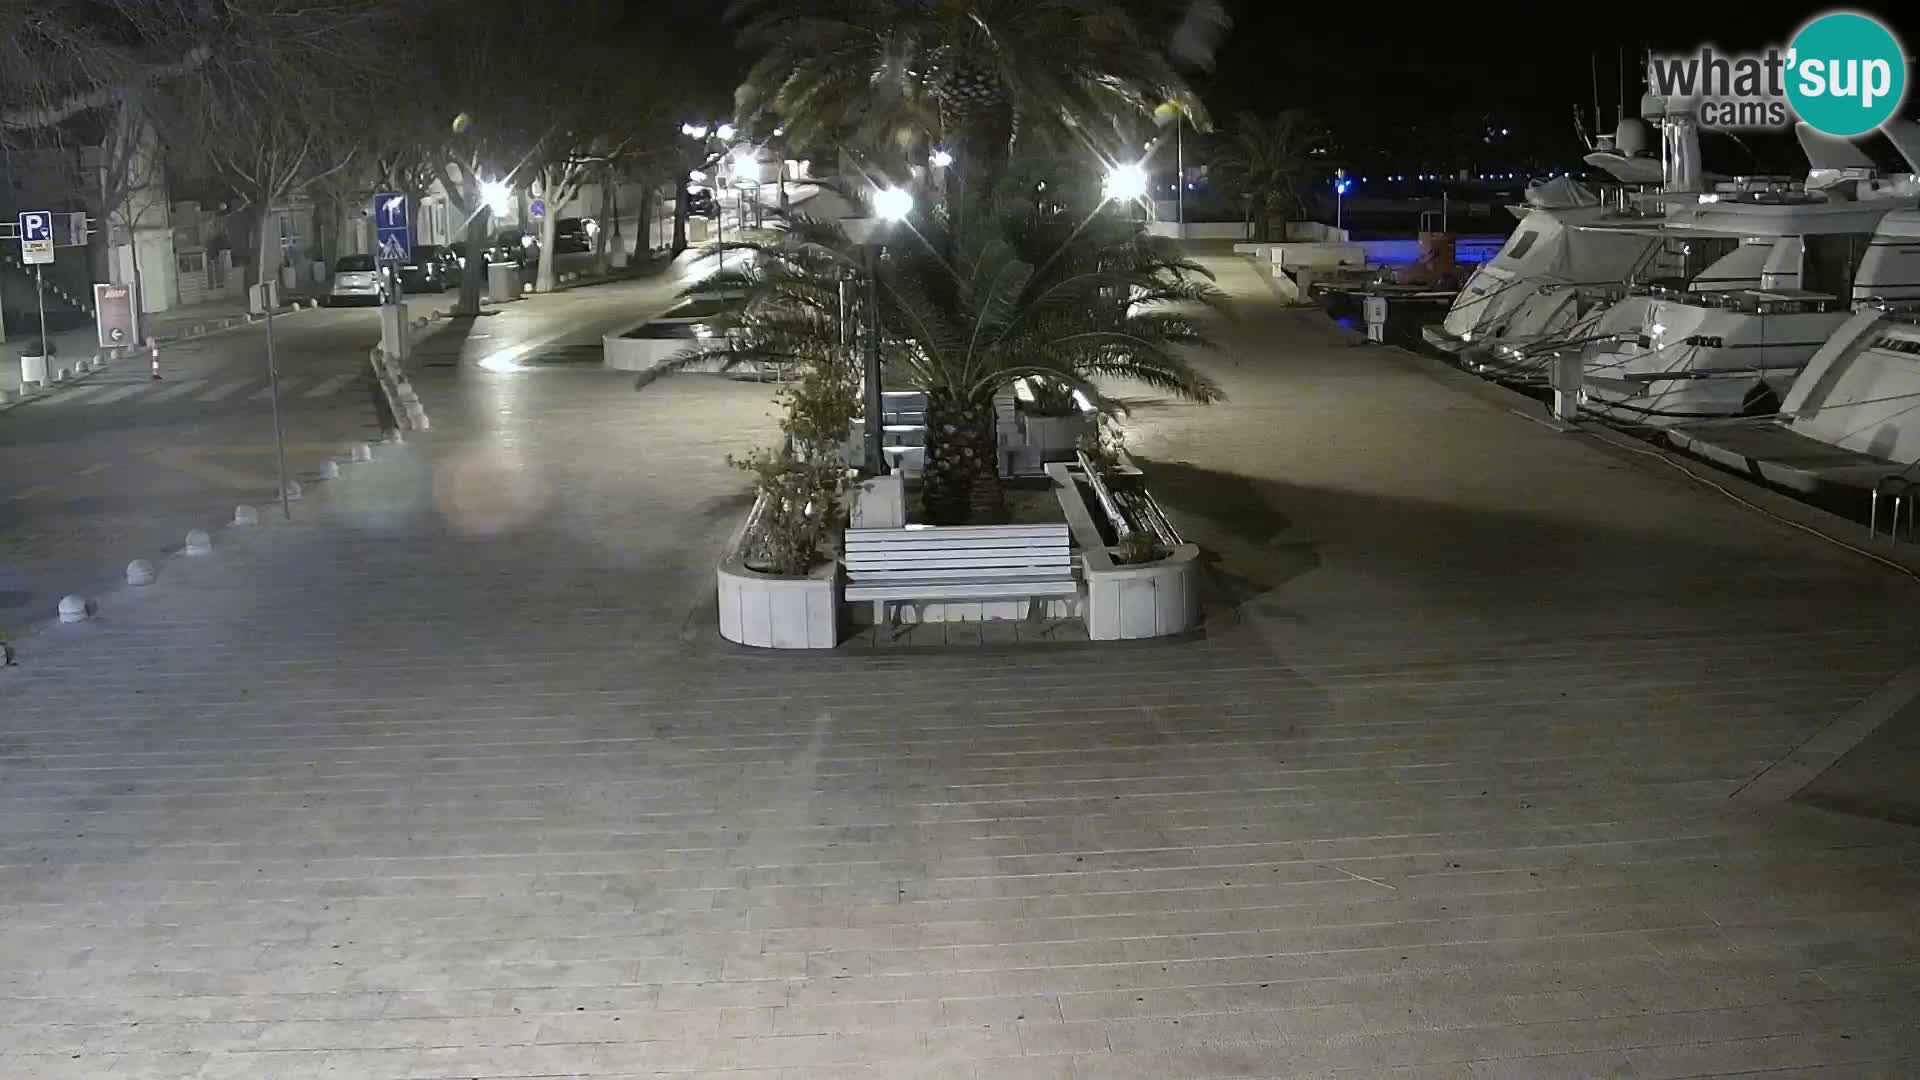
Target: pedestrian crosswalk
[{"x": 206, "y": 391}]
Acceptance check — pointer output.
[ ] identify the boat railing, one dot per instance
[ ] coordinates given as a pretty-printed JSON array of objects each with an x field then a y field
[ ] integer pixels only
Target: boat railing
[{"x": 1748, "y": 301}]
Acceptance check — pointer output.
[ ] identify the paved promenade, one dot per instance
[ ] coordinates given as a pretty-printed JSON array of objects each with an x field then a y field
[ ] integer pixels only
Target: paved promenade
[{"x": 452, "y": 778}]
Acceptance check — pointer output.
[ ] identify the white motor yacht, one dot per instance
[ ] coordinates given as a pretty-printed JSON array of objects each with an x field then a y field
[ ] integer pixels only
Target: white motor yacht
[
  {"x": 1766, "y": 278},
  {"x": 1551, "y": 280}
]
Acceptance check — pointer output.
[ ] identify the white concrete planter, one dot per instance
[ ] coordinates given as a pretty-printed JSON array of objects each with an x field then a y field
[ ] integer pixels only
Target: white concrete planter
[
  {"x": 1142, "y": 600},
  {"x": 773, "y": 612},
  {"x": 637, "y": 354},
  {"x": 1145, "y": 600},
  {"x": 1049, "y": 438}
]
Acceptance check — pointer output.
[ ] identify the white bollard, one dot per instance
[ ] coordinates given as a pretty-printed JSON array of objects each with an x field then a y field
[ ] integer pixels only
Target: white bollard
[
  {"x": 293, "y": 491},
  {"x": 245, "y": 515},
  {"x": 61, "y": 375},
  {"x": 75, "y": 609},
  {"x": 140, "y": 572},
  {"x": 329, "y": 470},
  {"x": 199, "y": 543},
  {"x": 363, "y": 452}
]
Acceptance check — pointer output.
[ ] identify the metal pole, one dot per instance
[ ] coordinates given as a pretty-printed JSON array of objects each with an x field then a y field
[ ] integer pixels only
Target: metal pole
[
  {"x": 273, "y": 386},
  {"x": 40, "y": 301},
  {"x": 876, "y": 462},
  {"x": 1180, "y": 173}
]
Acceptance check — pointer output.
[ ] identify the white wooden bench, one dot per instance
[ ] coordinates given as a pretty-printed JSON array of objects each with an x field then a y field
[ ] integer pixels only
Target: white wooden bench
[{"x": 926, "y": 562}]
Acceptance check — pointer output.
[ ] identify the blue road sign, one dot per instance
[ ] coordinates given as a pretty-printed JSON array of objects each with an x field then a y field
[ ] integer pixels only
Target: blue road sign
[
  {"x": 537, "y": 208},
  {"x": 393, "y": 233},
  {"x": 36, "y": 237}
]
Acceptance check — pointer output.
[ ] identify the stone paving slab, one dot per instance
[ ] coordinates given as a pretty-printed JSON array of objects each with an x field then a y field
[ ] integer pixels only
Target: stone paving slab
[{"x": 451, "y": 777}]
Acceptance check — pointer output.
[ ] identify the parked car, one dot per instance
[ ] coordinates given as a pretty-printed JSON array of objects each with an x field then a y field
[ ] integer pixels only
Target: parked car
[
  {"x": 514, "y": 246},
  {"x": 700, "y": 202},
  {"x": 574, "y": 235},
  {"x": 434, "y": 269},
  {"x": 356, "y": 280}
]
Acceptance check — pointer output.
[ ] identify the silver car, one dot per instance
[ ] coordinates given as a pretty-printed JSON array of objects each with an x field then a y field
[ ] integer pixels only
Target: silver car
[{"x": 356, "y": 280}]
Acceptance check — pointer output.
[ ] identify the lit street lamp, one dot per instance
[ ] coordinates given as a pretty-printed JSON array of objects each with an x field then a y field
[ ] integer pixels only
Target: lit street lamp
[
  {"x": 1126, "y": 183},
  {"x": 1340, "y": 185},
  {"x": 890, "y": 206}
]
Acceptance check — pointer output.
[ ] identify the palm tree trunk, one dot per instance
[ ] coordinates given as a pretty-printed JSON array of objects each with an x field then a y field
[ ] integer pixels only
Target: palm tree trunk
[{"x": 961, "y": 484}]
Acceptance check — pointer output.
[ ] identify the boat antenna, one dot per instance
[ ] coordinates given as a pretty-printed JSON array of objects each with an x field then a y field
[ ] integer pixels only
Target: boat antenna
[
  {"x": 1620, "y": 117},
  {"x": 1593, "y": 76}
]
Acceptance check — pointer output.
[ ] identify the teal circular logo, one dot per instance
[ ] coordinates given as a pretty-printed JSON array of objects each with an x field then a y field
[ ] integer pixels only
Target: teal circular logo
[{"x": 1846, "y": 74}]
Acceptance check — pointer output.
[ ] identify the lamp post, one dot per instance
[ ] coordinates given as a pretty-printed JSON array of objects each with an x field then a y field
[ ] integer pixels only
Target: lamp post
[
  {"x": 890, "y": 205},
  {"x": 1340, "y": 185}
]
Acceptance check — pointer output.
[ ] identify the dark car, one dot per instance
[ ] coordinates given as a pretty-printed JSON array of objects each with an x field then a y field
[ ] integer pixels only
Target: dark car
[
  {"x": 573, "y": 235},
  {"x": 514, "y": 246},
  {"x": 700, "y": 202},
  {"x": 433, "y": 269}
]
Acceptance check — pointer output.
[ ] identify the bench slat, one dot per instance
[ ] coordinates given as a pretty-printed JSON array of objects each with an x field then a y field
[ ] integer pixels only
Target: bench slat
[
  {"x": 932, "y": 590},
  {"x": 981, "y": 573},
  {"x": 1034, "y": 544},
  {"x": 983, "y": 557},
  {"x": 939, "y": 533}
]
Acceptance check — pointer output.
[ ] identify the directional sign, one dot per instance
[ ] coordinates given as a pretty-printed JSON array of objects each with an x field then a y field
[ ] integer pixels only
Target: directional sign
[
  {"x": 393, "y": 233},
  {"x": 36, "y": 237}
]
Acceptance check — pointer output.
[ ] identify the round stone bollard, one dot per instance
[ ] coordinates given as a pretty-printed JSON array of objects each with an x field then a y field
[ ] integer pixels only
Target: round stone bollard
[
  {"x": 329, "y": 470},
  {"x": 363, "y": 452},
  {"x": 199, "y": 543},
  {"x": 140, "y": 572},
  {"x": 63, "y": 374},
  {"x": 293, "y": 491},
  {"x": 245, "y": 515},
  {"x": 75, "y": 609}
]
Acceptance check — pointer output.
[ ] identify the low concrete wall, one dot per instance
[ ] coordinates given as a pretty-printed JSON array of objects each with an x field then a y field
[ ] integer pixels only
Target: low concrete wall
[
  {"x": 1200, "y": 230},
  {"x": 771, "y": 612},
  {"x": 637, "y": 354},
  {"x": 1123, "y": 603}
]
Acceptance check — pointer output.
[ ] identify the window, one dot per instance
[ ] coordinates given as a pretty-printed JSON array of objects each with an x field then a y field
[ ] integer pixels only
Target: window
[
  {"x": 353, "y": 263},
  {"x": 1522, "y": 243},
  {"x": 191, "y": 262},
  {"x": 1830, "y": 262}
]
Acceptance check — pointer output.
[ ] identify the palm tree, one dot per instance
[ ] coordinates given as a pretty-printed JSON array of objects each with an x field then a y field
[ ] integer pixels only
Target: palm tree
[
  {"x": 967, "y": 75},
  {"x": 1107, "y": 305},
  {"x": 1270, "y": 163}
]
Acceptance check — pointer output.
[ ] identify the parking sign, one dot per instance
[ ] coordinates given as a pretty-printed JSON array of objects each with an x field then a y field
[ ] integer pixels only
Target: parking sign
[{"x": 36, "y": 237}]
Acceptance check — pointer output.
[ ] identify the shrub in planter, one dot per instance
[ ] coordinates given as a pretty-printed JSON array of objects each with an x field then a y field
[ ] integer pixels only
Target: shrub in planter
[
  {"x": 803, "y": 506},
  {"x": 1051, "y": 397}
]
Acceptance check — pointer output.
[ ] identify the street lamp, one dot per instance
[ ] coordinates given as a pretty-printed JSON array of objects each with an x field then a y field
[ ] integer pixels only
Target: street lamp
[
  {"x": 893, "y": 204},
  {"x": 890, "y": 205},
  {"x": 940, "y": 159},
  {"x": 497, "y": 195},
  {"x": 1340, "y": 185},
  {"x": 725, "y": 132},
  {"x": 1126, "y": 183}
]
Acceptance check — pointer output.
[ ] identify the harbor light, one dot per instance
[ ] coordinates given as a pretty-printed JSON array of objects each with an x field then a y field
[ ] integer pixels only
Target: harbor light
[
  {"x": 940, "y": 159},
  {"x": 893, "y": 204},
  {"x": 694, "y": 131},
  {"x": 1126, "y": 182},
  {"x": 725, "y": 132}
]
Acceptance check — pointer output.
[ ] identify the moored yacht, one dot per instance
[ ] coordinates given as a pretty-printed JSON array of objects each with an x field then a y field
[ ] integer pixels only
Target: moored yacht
[
  {"x": 1852, "y": 416},
  {"x": 1766, "y": 278},
  {"x": 1551, "y": 279}
]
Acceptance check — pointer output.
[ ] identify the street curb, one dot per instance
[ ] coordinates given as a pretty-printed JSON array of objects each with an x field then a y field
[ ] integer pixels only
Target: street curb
[
  {"x": 403, "y": 404},
  {"x": 199, "y": 330}
]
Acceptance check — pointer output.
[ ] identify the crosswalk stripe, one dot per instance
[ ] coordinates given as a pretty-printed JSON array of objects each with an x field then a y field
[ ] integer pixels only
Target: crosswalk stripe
[
  {"x": 126, "y": 391},
  {"x": 265, "y": 392},
  {"x": 328, "y": 386},
  {"x": 78, "y": 393},
  {"x": 179, "y": 390},
  {"x": 225, "y": 390}
]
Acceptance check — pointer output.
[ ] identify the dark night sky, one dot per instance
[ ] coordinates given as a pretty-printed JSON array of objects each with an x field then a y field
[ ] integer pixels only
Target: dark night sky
[{"x": 1375, "y": 72}]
